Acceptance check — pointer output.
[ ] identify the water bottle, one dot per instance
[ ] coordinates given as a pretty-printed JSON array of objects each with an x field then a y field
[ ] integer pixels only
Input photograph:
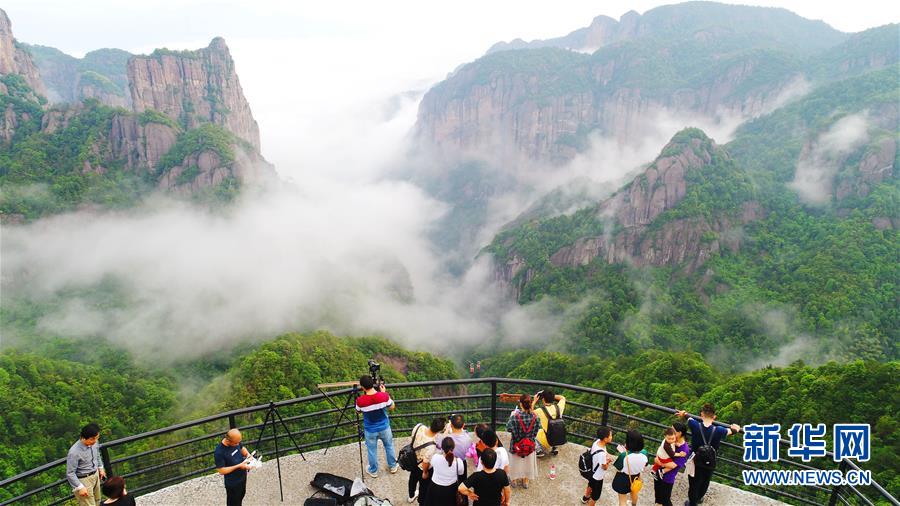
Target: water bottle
[{"x": 552, "y": 471}]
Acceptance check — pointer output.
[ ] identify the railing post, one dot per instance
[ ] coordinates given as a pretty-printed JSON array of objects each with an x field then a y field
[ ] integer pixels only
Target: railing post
[
  {"x": 107, "y": 462},
  {"x": 837, "y": 489},
  {"x": 605, "y": 419},
  {"x": 232, "y": 423},
  {"x": 494, "y": 405}
]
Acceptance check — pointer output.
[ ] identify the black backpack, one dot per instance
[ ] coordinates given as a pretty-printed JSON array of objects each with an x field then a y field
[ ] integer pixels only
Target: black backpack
[
  {"x": 556, "y": 428},
  {"x": 705, "y": 456},
  {"x": 407, "y": 457},
  {"x": 586, "y": 464}
]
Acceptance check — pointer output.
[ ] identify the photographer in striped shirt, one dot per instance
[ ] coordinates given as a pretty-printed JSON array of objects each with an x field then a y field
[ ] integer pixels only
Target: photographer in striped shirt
[{"x": 374, "y": 405}]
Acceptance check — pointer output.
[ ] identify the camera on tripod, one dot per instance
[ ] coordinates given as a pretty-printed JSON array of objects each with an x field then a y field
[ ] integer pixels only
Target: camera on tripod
[{"x": 375, "y": 373}]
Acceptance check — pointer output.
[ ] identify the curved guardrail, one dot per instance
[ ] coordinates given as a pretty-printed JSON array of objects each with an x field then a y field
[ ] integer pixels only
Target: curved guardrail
[{"x": 163, "y": 457}]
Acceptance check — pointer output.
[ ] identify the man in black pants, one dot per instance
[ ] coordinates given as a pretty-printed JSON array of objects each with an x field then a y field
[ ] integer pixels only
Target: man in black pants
[
  {"x": 231, "y": 462},
  {"x": 713, "y": 435}
]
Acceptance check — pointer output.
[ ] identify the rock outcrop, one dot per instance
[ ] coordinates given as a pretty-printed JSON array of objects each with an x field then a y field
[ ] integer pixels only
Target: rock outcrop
[
  {"x": 697, "y": 61},
  {"x": 521, "y": 110},
  {"x": 638, "y": 231},
  {"x": 15, "y": 59},
  {"x": 100, "y": 75},
  {"x": 140, "y": 144},
  {"x": 875, "y": 166},
  {"x": 193, "y": 87}
]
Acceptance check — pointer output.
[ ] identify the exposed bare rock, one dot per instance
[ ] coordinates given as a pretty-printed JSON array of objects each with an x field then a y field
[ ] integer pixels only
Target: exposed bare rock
[
  {"x": 193, "y": 87},
  {"x": 876, "y": 166},
  {"x": 140, "y": 145},
  {"x": 506, "y": 273},
  {"x": 16, "y": 60},
  {"x": 57, "y": 118},
  {"x": 520, "y": 108},
  {"x": 637, "y": 233},
  {"x": 658, "y": 189},
  {"x": 8, "y": 123},
  {"x": 207, "y": 169}
]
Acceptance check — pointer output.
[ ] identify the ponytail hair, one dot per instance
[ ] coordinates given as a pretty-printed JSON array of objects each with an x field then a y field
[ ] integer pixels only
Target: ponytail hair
[
  {"x": 525, "y": 401},
  {"x": 447, "y": 445}
]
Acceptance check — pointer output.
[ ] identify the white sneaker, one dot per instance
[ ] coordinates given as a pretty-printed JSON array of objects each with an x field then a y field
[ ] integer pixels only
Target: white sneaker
[
  {"x": 413, "y": 498},
  {"x": 373, "y": 475},
  {"x": 395, "y": 468}
]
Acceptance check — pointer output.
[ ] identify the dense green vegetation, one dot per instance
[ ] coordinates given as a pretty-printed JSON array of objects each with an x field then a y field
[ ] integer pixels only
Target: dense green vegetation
[
  {"x": 47, "y": 172},
  {"x": 818, "y": 281},
  {"x": 61, "y": 73},
  {"x": 770, "y": 146},
  {"x": 43, "y": 173},
  {"x": 50, "y": 387},
  {"x": 44, "y": 401},
  {"x": 555, "y": 72},
  {"x": 206, "y": 137}
]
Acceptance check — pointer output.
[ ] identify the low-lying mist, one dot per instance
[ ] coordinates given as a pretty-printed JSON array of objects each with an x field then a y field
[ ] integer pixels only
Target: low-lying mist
[{"x": 343, "y": 246}]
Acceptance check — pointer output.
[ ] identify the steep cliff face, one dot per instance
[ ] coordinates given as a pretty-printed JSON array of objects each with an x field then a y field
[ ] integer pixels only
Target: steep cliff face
[
  {"x": 193, "y": 87},
  {"x": 140, "y": 144},
  {"x": 15, "y": 59},
  {"x": 545, "y": 112},
  {"x": 661, "y": 218},
  {"x": 697, "y": 60},
  {"x": 509, "y": 110},
  {"x": 209, "y": 169}
]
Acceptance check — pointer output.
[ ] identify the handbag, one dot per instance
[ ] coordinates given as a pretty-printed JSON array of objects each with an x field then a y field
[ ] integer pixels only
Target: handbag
[{"x": 636, "y": 483}]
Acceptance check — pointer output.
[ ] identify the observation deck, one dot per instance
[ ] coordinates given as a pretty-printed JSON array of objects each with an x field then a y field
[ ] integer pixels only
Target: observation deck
[{"x": 175, "y": 464}]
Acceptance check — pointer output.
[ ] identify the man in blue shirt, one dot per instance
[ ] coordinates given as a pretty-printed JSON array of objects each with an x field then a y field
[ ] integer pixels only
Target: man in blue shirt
[
  {"x": 373, "y": 404},
  {"x": 84, "y": 468},
  {"x": 703, "y": 433},
  {"x": 231, "y": 462}
]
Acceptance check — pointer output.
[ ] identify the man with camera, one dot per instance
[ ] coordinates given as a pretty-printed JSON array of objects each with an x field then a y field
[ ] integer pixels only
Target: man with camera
[{"x": 374, "y": 404}]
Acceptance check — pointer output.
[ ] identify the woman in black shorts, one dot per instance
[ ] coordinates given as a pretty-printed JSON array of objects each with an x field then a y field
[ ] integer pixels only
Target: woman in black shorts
[{"x": 633, "y": 460}]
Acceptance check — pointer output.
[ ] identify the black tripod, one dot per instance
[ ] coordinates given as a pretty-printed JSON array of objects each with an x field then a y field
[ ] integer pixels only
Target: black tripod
[
  {"x": 351, "y": 398},
  {"x": 271, "y": 415}
]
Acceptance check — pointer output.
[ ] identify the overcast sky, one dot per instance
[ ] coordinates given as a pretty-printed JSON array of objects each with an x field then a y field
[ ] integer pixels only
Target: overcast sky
[{"x": 319, "y": 74}]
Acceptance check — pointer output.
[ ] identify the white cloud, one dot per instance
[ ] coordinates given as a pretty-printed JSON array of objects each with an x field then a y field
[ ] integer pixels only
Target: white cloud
[{"x": 822, "y": 158}]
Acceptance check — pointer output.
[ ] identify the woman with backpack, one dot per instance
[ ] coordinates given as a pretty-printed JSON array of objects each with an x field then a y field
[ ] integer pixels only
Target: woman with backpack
[
  {"x": 629, "y": 464},
  {"x": 445, "y": 471},
  {"x": 523, "y": 426},
  {"x": 423, "y": 447}
]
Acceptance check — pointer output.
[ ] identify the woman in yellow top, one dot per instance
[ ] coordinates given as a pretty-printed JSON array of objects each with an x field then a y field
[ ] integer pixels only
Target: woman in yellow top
[{"x": 551, "y": 404}]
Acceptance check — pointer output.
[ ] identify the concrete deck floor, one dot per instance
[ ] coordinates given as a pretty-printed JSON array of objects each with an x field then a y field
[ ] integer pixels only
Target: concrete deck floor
[{"x": 566, "y": 489}]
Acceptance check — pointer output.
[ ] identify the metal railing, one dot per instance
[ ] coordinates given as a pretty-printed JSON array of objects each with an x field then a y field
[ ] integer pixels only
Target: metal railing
[{"x": 164, "y": 457}]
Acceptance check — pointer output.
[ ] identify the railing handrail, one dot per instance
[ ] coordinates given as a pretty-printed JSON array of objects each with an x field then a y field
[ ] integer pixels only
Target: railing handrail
[{"x": 493, "y": 381}]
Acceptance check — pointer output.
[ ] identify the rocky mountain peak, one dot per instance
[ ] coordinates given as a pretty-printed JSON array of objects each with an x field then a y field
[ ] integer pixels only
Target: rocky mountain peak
[
  {"x": 192, "y": 88},
  {"x": 662, "y": 185},
  {"x": 16, "y": 60}
]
